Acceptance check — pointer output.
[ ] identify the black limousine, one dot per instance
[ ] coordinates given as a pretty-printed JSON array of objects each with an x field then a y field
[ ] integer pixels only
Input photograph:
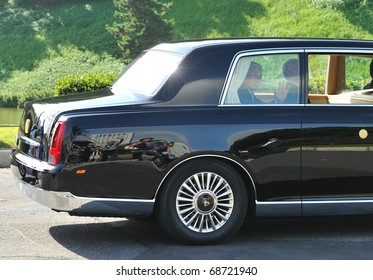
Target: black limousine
[{"x": 204, "y": 134}]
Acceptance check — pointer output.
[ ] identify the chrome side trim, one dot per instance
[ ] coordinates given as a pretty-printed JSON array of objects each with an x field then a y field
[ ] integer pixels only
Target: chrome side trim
[
  {"x": 339, "y": 50},
  {"x": 75, "y": 205},
  {"x": 337, "y": 207},
  {"x": 278, "y": 208},
  {"x": 319, "y": 207},
  {"x": 337, "y": 201}
]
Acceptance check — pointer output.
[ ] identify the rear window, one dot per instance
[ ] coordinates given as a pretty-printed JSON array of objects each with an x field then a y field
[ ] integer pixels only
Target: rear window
[{"x": 146, "y": 74}]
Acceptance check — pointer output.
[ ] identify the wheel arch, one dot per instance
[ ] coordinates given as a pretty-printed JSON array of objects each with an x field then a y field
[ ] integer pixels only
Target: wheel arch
[{"x": 236, "y": 165}]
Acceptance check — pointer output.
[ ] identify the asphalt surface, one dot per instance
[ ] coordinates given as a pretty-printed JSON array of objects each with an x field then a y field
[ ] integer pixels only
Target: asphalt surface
[
  {"x": 30, "y": 231},
  {"x": 4, "y": 158}
]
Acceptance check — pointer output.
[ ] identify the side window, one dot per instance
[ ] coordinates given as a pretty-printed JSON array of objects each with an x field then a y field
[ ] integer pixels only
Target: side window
[
  {"x": 340, "y": 79},
  {"x": 264, "y": 79}
]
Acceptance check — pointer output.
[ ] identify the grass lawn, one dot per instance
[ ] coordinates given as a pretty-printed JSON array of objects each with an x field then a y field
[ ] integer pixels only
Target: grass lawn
[{"x": 7, "y": 137}]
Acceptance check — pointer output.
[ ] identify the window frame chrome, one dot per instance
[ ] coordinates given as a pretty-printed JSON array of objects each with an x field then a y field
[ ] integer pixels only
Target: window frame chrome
[{"x": 258, "y": 52}]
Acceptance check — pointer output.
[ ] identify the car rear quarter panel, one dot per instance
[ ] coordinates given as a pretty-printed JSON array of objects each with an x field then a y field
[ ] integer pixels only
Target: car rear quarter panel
[{"x": 128, "y": 154}]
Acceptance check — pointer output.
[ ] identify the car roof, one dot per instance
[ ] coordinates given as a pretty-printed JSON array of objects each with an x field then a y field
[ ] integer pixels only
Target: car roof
[{"x": 185, "y": 47}]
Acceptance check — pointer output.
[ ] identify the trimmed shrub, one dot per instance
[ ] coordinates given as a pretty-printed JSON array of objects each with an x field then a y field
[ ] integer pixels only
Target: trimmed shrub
[{"x": 83, "y": 82}]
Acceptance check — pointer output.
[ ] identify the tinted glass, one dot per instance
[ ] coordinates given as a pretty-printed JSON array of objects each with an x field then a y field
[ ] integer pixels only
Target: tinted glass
[{"x": 265, "y": 79}]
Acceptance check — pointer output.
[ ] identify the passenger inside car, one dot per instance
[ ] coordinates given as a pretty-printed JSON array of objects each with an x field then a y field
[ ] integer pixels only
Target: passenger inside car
[
  {"x": 288, "y": 91},
  {"x": 280, "y": 85},
  {"x": 251, "y": 82}
]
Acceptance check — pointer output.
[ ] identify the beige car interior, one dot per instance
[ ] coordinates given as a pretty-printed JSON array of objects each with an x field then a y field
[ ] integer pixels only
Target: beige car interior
[{"x": 335, "y": 92}]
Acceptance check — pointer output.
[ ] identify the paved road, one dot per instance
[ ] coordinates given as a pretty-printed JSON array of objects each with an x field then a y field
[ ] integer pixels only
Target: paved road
[
  {"x": 30, "y": 231},
  {"x": 4, "y": 158}
]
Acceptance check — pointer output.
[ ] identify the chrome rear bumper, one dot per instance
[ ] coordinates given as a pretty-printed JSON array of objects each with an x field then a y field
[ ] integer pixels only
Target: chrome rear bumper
[
  {"x": 67, "y": 202},
  {"x": 28, "y": 183}
]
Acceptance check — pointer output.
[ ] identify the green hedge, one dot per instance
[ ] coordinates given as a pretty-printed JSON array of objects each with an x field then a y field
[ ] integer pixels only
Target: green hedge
[
  {"x": 67, "y": 84},
  {"x": 84, "y": 82}
]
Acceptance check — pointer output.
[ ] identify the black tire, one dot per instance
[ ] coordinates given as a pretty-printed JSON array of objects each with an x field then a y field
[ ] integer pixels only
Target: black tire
[{"x": 202, "y": 202}]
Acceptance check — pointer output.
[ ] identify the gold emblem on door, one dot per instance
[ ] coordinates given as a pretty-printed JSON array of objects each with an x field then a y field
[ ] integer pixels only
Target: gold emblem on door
[{"x": 363, "y": 133}]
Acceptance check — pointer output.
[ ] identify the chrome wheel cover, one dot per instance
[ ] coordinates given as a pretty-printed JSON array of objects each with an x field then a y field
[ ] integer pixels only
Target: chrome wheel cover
[{"x": 204, "y": 202}]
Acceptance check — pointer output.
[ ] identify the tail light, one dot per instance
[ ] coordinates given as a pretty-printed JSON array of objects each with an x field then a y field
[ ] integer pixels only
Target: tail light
[{"x": 56, "y": 143}]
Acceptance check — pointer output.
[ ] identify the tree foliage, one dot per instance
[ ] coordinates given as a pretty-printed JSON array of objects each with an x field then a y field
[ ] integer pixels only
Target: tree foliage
[{"x": 141, "y": 24}]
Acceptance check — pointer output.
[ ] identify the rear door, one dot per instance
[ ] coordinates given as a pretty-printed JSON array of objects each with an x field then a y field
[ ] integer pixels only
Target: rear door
[
  {"x": 265, "y": 90},
  {"x": 337, "y": 135}
]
